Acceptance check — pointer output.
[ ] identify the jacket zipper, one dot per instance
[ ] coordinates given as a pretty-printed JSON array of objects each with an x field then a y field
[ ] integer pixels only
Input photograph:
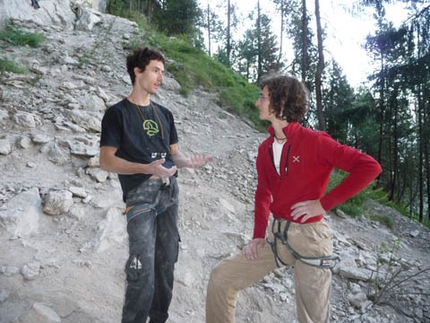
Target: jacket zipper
[{"x": 286, "y": 160}]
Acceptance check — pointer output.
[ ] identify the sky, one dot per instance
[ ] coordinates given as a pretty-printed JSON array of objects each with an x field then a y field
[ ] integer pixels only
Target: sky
[{"x": 345, "y": 34}]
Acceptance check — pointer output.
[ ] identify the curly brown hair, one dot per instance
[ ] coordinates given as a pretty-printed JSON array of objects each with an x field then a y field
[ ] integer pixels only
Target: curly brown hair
[
  {"x": 140, "y": 58},
  {"x": 289, "y": 98}
]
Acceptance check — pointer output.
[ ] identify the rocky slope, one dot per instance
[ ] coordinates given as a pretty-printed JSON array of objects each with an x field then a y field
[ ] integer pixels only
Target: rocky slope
[{"x": 63, "y": 241}]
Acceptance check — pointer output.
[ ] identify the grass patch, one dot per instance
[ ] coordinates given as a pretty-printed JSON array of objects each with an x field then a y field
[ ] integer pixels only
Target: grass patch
[
  {"x": 384, "y": 219},
  {"x": 355, "y": 206},
  {"x": 17, "y": 37},
  {"x": 10, "y": 66}
]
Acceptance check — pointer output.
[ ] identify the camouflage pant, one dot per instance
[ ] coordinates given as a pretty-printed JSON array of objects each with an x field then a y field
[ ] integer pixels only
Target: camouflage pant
[{"x": 152, "y": 212}]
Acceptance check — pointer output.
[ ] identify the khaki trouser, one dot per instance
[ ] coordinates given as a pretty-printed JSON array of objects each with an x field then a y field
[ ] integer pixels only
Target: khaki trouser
[{"x": 313, "y": 284}]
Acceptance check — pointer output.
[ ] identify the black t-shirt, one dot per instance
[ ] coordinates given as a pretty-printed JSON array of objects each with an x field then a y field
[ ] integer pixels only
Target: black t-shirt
[{"x": 142, "y": 134}]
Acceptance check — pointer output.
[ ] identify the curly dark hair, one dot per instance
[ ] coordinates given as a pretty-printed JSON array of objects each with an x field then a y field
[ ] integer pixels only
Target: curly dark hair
[
  {"x": 140, "y": 58},
  {"x": 289, "y": 98}
]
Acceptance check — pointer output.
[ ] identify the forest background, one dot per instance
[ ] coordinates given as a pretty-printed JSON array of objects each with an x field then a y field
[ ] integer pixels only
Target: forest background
[{"x": 387, "y": 116}]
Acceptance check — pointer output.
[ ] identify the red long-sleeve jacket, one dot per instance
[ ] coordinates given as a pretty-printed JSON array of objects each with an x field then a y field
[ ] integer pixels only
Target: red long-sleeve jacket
[{"x": 307, "y": 161}]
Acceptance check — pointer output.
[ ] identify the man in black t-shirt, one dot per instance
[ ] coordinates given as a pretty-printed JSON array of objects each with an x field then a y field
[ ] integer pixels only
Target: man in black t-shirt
[{"x": 139, "y": 142}]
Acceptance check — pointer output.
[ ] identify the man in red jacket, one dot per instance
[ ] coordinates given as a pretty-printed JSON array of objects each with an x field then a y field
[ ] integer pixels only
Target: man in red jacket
[{"x": 294, "y": 165}]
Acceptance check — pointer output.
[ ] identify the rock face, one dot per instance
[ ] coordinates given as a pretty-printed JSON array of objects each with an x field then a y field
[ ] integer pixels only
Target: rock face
[
  {"x": 64, "y": 14},
  {"x": 50, "y": 13},
  {"x": 63, "y": 240}
]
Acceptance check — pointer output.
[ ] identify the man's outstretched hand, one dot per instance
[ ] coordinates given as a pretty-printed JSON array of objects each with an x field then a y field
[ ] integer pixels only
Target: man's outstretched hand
[{"x": 198, "y": 161}]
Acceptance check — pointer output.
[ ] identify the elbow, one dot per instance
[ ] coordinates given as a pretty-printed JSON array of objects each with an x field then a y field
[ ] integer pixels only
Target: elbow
[
  {"x": 107, "y": 158},
  {"x": 373, "y": 173},
  {"x": 378, "y": 169},
  {"x": 372, "y": 168},
  {"x": 103, "y": 164}
]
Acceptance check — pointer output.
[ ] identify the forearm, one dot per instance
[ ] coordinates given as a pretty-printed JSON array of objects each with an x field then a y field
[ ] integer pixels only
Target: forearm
[
  {"x": 196, "y": 161},
  {"x": 122, "y": 166},
  {"x": 261, "y": 213},
  {"x": 359, "y": 178},
  {"x": 180, "y": 160},
  {"x": 362, "y": 169},
  {"x": 262, "y": 200}
]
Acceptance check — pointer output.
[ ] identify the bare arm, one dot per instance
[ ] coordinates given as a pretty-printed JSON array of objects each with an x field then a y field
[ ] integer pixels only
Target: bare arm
[
  {"x": 114, "y": 164},
  {"x": 182, "y": 161}
]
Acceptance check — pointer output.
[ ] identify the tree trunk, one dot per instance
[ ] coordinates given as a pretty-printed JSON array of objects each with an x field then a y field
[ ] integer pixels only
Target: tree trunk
[
  {"x": 426, "y": 149},
  {"x": 282, "y": 31},
  {"x": 421, "y": 145},
  {"x": 395, "y": 149},
  {"x": 228, "y": 31},
  {"x": 320, "y": 68},
  {"x": 427, "y": 168},
  {"x": 209, "y": 31},
  {"x": 304, "y": 42},
  {"x": 146, "y": 10},
  {"x": 259, "y": 58},
  {"x": 381, "y": 105}
]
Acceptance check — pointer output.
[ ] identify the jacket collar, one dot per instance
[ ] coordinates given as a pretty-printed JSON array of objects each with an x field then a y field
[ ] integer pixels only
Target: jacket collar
[{"x": 289, "y": 130}]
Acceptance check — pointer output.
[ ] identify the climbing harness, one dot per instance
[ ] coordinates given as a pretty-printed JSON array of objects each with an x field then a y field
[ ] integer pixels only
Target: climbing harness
[{"x": 322, "y": 262}]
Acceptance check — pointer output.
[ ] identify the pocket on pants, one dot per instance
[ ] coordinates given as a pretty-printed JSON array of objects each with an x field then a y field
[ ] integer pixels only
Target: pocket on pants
[
  {"x": 137, "y": 210},
  {"x": 312, "y": 239},
  {"x": 145, "y": 193}
]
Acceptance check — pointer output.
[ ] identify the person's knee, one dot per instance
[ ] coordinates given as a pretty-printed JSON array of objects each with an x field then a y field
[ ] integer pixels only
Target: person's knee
[
  {"x": 218, "y": 277},
  {"x": 136, "y": 271}
]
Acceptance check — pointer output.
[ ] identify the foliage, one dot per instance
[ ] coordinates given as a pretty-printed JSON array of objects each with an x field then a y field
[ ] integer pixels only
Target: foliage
[
  {"x": 247, "y": 55},
  {"x": 224, "y": 34},
  {"x": 268, "y": 48},
  {"x": 17, "y": 37},
  {"x": 383, "y": 219},
  {"x": 388, "y": 119},
  {"x": 302, "y": 36},
  {"x": 10, "y": 66},
  {"x": 337, "y": 98},
  {"x": 193, "y": 68},
  {"x": 178, "y": 17},
  {"x": 214, "y": 27},
  {"x": 400, "y": 91},
  {"x": 172, "y": 17},
  {"x": 132, "y": 8}
]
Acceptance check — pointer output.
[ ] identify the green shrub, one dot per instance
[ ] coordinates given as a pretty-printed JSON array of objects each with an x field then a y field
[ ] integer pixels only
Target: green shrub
[
  {"x": 10, "y": 66},
  {"x": 18, "y": 37},
  {"x": 384, "y": 219}
]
